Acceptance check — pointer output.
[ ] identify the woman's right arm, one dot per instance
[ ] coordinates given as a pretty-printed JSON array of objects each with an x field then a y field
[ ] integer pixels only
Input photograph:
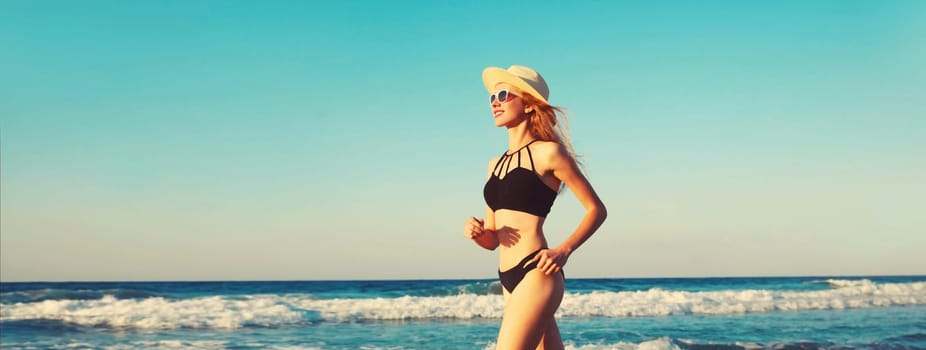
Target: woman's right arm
[{"x": 482, "y": 232}]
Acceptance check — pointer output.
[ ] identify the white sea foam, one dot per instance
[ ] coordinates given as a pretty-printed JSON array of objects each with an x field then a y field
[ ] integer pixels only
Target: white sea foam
[
  {"x": 464, "y": 306},
  {"x": 201, "y": 344},
  {"x": 863, "y": 283},
  {"x": 169, "y": 344},
  {"x": 657, "y": 302},
  {"x": 276, "y": 310},
  {"x": 153, "y": 313}
]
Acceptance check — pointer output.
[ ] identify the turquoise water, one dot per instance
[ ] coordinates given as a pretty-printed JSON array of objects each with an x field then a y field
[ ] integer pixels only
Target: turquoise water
[{"x": 877, "y": 312}]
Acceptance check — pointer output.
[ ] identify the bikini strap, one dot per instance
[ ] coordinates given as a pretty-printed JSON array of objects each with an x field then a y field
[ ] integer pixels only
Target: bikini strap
[
  {"x": 530, "y": 157},
  {"x": 522, "y": 147},
  {"x": 495, "y": 171},
  {"x": 509, "y": 157},
  {"x": 507, "y": 164}
]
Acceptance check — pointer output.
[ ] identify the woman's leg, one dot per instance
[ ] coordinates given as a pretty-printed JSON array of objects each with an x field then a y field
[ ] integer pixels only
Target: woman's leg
[
  {"x": 551, "y": 338},
  {"x": 529, "y": 313}
]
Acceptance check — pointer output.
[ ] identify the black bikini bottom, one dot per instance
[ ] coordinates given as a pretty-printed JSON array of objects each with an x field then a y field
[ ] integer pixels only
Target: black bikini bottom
[{"x": 513, "y": 276}]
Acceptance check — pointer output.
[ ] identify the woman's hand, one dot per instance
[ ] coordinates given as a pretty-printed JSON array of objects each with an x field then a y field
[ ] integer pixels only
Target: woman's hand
[
  {"x": 551, "y": 261},
  {"x": 473, "y": 228}
]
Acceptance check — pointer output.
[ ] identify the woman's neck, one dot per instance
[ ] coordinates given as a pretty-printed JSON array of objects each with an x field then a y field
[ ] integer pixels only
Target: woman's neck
[{"x": 518, "y": 136}]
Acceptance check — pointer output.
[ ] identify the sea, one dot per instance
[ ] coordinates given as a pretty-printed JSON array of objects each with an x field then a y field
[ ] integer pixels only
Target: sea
[{"x": 871, "y": 312}]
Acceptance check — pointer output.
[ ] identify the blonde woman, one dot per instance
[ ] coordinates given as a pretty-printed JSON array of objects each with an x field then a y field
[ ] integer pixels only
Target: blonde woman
[{"x": 522, "y": 185}]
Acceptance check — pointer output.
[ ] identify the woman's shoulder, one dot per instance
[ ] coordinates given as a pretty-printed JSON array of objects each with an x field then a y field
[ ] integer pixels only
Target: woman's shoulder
[
  {"x": 492, "y": 163},
  {"x": 550, "y": 154},
  {"x": 549, "y": 148}
]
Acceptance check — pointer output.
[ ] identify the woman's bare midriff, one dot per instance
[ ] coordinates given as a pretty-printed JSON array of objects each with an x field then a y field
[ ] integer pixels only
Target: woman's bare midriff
[{"x": 519, "y": 234}]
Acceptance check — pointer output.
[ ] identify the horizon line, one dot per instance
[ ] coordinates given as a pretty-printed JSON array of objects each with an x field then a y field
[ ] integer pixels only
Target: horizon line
[{"x": 453, "y": 279}]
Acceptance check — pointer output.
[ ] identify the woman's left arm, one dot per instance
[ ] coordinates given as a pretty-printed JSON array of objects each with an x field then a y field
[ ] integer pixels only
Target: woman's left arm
[{"x": 564, "y": 168}]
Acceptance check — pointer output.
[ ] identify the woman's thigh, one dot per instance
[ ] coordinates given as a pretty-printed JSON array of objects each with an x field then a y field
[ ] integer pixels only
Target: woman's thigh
[
  {"x": 529, "y": 310},
  {"x": 551, "y": 338}
]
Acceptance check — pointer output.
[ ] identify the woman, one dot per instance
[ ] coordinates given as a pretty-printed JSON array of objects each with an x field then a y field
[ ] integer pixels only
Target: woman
[{"x": 522, "y": 184}]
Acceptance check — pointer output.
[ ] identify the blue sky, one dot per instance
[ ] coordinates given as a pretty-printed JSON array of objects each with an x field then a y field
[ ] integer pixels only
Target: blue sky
[{"x": 208, "y": 140}]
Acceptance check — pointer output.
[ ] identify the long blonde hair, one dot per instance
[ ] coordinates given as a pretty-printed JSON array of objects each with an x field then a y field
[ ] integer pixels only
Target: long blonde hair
[{"x": 548, "y": 123}]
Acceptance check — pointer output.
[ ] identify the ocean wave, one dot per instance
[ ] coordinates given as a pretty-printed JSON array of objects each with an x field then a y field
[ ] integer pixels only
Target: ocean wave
[
  {"x": 480, "y": 288},
  {"x": 279, "y": 310},
  {"x": 658, "y": 302},
  {"x": 168, "y": 344},
  {"x": 160, "y": 313},
  {"x": 477, "y": 288},
  {"x": 661, "y": 343},
  {"x": 36, "y": 295},
  {"x": 132, "y": 345},
  {"x": 666, "y": 343},
  {"x": 862, "y": 283}
]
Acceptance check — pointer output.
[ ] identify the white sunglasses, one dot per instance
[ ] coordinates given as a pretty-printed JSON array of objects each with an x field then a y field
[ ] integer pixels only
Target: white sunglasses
[{"x": 502, "y": 96}]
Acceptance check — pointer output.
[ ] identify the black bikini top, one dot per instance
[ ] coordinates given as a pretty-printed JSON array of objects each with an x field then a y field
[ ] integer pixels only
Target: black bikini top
[{"x": 520, "y": 189}]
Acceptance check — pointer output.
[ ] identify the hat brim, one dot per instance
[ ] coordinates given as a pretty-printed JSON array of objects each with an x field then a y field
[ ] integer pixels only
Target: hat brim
[{"x": 493, "y": 76}]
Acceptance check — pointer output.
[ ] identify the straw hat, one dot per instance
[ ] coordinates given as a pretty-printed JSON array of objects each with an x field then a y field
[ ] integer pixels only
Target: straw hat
[{"x": 521, "y": 77}]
